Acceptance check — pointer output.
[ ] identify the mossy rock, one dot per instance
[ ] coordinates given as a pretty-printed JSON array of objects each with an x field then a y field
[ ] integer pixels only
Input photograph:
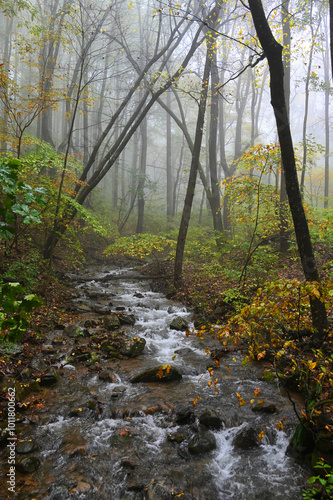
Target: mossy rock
[
  {"x": 268, "y": 376},
  {"x": 301, "y": 444},
  {"x": 179, "y": 324},
  {"x": 132, "y": 347},
  {"x": 111, "y": 322},
  {"x": 22, "y": 391}
]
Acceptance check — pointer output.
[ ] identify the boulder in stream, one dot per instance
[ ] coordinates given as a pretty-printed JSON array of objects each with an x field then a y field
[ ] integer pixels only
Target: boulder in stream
[
  {"x": 132, "y": 347},
  {"x": 247, "y": 438},
  {"x": 202, "y": 443},
  {"x": 210, "y": 419},
  {"x": 162, "y": 373},
  {"x": 179, "y": 324},
  {"x": 126, "y": 319},
  {"x": 111, "y": 322},
  {"x": 49, "y": 378}
]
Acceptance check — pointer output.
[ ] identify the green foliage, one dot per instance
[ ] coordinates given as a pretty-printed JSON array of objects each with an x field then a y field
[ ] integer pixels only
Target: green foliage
[
  {"x": 141, "y": 246},
  {"x": 27, "y": 269},
  {"x": 17, "y": 198},
  {"x": 322, "y": 483},
  {"x": 16, "y": 309}
]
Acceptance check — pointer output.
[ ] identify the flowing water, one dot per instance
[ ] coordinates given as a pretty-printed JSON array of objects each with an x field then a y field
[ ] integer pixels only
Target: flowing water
[{"x": 120, "y": 441}]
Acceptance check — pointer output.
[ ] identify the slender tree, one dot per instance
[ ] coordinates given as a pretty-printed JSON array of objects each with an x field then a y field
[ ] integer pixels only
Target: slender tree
[
  {"x": 212, "y": 22},
  {"x": 273, "y": 52}
]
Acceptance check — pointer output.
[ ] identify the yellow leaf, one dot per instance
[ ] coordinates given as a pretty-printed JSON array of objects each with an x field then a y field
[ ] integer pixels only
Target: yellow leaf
[
  {"x": 261, "y": 435},
  {"x": 241, "y": 400}
]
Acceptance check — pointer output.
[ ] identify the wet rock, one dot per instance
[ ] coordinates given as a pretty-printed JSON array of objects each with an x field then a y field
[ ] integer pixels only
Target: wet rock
[
  {"x": 247, "y": 438},
  {"x": 139, "y": 295},
  {"x": 107, "y": 376},
  {"x": 164, "y": 373},
  {"x": 61, "y": 493},
  {"x": 324, "y": 443},
  {"x": 34, "y": 385},
  {"x": 184, "y": 415},
  {"x": 111, "y": 322},
  {"x": 11, "y": 349},
  {"x": 301, "y": 444},
  {"x": 210, "y": 419},
  {"x": 176, "y": 437},
  {"x": 268, "y": 376},
  {"x": 58, "y": 341},
  {"x": 4, "y": 435},
  {"x": 200, "y": 321},
  {"x": 72, "y": 329},
  {"x": 22, "y": 391},
  {"x": 137, "y": 486},
  {"x": 128, "y": 464},
  {"x": 47, "y": 349},
  {"x": 82, "y": 487},
  {"x": 23, "y": 447},
  {"x": 28, "y": 464},
  {"x": 25, "y": 374},
  {"x": 126, "y": 319},
  {"x": 263, "y": 407},
  {"x": 202, "y": 442},
  {"x": 157, "y": 491},
  {"x": 49, "y": 378},
  {"x": 132, "y": 347},
  {"x": 179, "y": 324},
  {"x": 101, "y": 309}
]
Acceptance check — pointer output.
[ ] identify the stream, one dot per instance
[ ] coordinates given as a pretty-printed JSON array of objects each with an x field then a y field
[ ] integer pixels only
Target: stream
[{"x": 118, "y": 440}]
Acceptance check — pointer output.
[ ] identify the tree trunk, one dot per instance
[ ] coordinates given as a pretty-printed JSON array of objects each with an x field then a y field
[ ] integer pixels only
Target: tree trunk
[
  {"x": 185, "y": 220},
  {"x": 283, "y": 202},
  {"x": 169, "y": 195},
  {"x": 215, "y": 202},
  {"x": 142, "y": 177},
  {"x": 273, "y": 51}
]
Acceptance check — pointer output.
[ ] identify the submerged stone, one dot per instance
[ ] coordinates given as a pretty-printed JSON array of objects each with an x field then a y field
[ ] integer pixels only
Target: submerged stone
[
  {"x": 185, "y": 415},
  {"x": 163, "y": 373},
  {"x": 25, "y": 447},
  {"x": 264, "y": 407},
  {"x": 202, "y": 442},
  {"x": 28, "y": 464}
]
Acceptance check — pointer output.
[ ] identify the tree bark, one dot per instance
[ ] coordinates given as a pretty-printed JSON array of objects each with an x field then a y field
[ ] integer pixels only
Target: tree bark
[
  {"x": 273, "y": 52},
  {"x": 215, "y": 202},
  {"x": 212, "y": 20}
]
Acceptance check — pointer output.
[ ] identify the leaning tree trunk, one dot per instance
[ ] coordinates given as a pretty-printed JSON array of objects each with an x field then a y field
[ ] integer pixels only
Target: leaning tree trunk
[{"x": 273, "y": 51}]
